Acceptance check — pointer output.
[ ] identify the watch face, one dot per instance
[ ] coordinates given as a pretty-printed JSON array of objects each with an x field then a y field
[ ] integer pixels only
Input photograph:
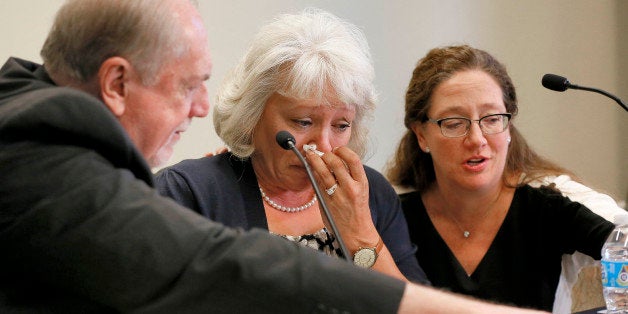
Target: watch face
[{"x": 364, "y": 257}]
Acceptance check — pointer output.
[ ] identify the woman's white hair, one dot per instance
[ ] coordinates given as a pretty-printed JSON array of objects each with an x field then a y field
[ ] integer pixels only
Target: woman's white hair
[{"x": 304, "y": 56}]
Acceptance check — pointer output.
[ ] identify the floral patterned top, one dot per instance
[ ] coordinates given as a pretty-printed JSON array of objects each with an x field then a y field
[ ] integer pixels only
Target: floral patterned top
[{"x": 321, "y": 240}]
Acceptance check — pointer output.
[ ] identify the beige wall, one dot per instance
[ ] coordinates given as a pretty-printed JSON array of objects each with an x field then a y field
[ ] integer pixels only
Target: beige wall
[
  {"x": 583, "y": 40},
  {"x": 622, "y": 88}
]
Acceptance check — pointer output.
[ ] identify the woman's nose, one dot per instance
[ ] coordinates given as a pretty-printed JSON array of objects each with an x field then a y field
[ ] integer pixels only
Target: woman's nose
[
  {"x": 323, "y": 141},
  {"x": 475, "y": 135}
]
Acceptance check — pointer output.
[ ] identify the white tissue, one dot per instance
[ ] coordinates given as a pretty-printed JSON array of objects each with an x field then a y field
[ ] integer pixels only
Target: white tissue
[{"x": 312, "y": 147}]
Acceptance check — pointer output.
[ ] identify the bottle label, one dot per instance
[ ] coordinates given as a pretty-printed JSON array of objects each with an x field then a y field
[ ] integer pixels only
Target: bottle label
[{"x": 614, "y": 274}]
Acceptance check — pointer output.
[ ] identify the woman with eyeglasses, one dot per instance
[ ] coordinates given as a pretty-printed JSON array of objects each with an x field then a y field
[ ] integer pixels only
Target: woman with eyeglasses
[{"x": 480, "y": 228}]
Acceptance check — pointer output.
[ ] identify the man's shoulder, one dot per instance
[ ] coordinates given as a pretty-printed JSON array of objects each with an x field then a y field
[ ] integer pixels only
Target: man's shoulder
[
  {"x": 26, "y": 90},
  {"x": 34, "y": 110},
  {"x": 61, "y": 114}
]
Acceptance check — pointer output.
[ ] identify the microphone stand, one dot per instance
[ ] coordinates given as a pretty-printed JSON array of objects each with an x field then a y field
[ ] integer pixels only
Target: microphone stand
[
  {"x": 560, "y": 84},
  {"x": 599, "y": 91},
  {"x": 321, "y": 201}
]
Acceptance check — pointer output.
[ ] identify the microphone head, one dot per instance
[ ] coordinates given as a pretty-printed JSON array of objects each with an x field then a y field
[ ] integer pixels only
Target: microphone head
[
  {"x": 555, "y": 82},
  {"x": 285, "y": 139}
]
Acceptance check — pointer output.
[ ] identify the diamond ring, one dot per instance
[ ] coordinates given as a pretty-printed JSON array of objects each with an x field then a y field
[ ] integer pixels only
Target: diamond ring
[{"x": 332, "y": 189}]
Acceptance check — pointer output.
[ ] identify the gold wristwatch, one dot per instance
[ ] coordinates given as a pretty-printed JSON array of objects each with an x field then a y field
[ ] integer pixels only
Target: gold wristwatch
[{"x": 366, "y": 257}]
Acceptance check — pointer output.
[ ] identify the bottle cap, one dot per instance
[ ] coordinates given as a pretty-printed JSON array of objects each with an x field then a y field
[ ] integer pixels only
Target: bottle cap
[{"x": 621, "y": 219}]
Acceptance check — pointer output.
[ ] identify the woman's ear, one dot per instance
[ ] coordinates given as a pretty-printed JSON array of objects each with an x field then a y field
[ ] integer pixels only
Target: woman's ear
[
  {"x": 418, "y": 130},
  {"x": 113, "y": 77}
]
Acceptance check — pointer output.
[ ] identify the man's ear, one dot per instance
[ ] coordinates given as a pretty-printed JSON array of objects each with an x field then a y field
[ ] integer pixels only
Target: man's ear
[{"x": 113, "y": 77}]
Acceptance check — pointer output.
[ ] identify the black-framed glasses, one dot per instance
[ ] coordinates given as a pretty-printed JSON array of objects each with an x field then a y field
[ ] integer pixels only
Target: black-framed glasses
[{"x": 457, "y": 127}]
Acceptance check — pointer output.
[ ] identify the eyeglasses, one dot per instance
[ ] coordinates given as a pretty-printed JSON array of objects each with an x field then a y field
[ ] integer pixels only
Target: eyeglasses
[{"x": 457, "y": 127}]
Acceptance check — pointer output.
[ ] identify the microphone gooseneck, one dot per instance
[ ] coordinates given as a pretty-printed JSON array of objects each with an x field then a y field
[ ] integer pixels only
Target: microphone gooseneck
[
  {"x": 287, "y": 142},
  {"x": 560, "y": 84}
]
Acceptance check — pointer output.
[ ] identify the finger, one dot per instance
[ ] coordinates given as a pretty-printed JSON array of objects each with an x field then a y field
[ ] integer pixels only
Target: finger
[
  {"x": 218, "y": 151},
  {"x": 222, "y": 150},
  {"x": 324, "y": 176},
  {"x": 337, "y": 167},
  {"x": 352, "y": 162},
  {"x": 346, "y": 173}
]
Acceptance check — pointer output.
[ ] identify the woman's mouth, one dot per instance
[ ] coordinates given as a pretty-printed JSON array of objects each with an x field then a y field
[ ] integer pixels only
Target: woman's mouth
[
  {"x": 475, "y": 161},
  {"x": 476, "y": 164}
]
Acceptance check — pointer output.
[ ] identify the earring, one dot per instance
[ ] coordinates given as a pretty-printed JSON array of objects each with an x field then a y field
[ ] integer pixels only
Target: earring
[
  {"x": 427, "y": 150},
  {"x": 508, "y": 140}
]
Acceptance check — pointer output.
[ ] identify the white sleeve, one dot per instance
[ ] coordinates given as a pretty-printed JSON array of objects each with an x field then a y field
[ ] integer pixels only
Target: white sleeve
[{"x": 597, "y": 202}]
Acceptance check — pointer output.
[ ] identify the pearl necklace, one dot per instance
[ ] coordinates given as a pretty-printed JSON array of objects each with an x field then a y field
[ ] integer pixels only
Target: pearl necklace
[{"x": 286, "y": 208}]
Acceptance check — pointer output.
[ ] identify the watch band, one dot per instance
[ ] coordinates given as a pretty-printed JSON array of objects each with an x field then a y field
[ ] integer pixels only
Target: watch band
[{"x": 379, "y": 246}]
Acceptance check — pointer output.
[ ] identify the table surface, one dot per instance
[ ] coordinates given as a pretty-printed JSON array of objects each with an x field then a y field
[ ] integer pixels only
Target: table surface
[{"x": 593, "y": 311}]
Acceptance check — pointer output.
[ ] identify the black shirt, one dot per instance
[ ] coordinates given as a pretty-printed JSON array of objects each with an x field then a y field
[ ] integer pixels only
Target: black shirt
[{"x": 522, "y": 265}]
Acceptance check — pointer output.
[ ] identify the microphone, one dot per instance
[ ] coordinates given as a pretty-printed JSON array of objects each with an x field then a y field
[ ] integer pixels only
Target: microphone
[
  {"x": 555, "y": 82},
  {"x": 287, "y": 142},
  {"x": 561, "y": 84}
]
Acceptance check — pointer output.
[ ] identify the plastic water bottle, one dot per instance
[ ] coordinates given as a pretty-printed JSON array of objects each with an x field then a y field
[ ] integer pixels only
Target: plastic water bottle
[{"x": 615, "y": 267}]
